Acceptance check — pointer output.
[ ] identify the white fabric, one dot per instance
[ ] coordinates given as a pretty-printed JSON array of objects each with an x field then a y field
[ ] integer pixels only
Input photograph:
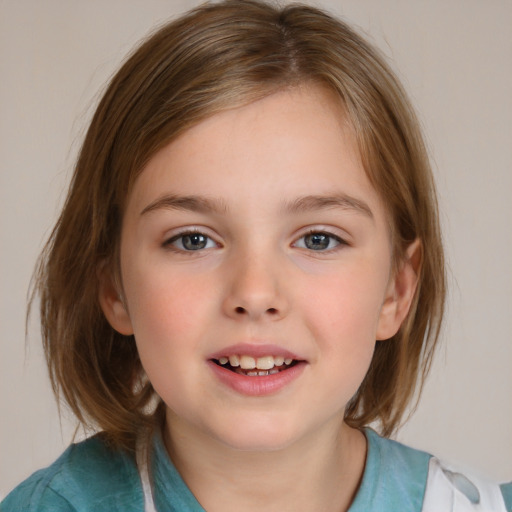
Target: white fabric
[
  {"x": 450, "y": 491},
  {"x": 142, "y": 456}
]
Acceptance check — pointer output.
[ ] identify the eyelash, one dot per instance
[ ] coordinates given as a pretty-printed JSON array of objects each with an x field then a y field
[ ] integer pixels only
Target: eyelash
[
  {"x": 330, "y": 236},
  {"x": 208, "y": 241},
  {"x": 171, "y": 242}
]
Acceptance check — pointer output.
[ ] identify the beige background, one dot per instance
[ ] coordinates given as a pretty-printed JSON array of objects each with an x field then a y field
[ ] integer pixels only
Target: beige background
[{"x": 455, "y": 59}]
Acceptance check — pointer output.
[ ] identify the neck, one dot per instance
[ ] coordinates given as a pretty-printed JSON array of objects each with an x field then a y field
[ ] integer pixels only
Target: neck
[{"x": 321, "y": 472}]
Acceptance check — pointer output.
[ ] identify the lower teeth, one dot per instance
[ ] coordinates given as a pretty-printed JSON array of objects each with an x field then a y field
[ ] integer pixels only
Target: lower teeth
[{"x": 256, "y": 373}]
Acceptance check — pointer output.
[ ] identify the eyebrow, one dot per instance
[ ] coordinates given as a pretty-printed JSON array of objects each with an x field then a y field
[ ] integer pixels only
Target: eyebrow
[
  {"x": 202, "y": 204},
  {"x": 198, "y": 204},
  {"x": 343, "y": 201}
]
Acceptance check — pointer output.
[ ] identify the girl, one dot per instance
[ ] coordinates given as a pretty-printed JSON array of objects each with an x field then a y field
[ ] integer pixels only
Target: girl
[{"x": 246, "y": 274}]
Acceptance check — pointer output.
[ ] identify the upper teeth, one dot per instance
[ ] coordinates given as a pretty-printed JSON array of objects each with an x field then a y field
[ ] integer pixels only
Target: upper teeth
[{"x": 250, "y": 363}]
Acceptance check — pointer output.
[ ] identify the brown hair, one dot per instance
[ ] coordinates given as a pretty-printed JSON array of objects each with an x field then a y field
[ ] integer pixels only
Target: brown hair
[{"x": 217, "y": 57}]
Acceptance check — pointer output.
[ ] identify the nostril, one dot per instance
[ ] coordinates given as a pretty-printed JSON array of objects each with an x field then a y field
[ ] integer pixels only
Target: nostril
[
  {"x": 272, "y": 311},
  {"x": 240, "y": 310}
]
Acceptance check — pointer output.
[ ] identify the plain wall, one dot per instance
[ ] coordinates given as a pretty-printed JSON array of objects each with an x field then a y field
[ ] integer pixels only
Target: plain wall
[{"x": 454, "y": 58}]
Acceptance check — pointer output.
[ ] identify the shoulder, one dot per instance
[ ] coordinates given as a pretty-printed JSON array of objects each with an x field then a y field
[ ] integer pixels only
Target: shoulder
[
  {"x": 87, "y": 476},
  {"x": 394, "y": 478},
  {"x": 398, "y": 477},
  {"x": 399, "y": 457},
  {"x": 464, "y": 490}
]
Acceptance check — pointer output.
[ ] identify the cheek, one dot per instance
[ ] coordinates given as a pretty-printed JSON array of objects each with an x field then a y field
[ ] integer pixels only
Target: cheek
[
  {"x": 169, "y": 318},
  {"x": 167, "y": 310},
  {"x": 342, "y": 316},
  {"x": 346, "y": 306}
]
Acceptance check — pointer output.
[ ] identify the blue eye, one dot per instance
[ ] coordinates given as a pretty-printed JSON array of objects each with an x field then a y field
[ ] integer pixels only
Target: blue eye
[
  {"x": 318, "y": 241},
  {"x": 194, "y": 241}
]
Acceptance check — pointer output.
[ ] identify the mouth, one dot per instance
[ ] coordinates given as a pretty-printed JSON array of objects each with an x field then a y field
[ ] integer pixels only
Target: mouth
[
  {"x": 256, "y": 370},
  {"x": 250, "y": 366}
]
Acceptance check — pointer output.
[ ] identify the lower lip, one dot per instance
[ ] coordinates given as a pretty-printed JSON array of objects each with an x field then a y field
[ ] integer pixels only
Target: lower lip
[{"x": 258, "y": 385}]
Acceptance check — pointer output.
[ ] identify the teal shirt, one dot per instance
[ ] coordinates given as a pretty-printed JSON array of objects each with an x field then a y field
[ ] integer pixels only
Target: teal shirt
[{"x": 90, "y": 476}]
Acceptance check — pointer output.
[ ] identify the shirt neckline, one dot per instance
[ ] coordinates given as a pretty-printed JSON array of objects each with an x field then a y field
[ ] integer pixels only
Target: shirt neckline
[{"x": 394, "y": 475}]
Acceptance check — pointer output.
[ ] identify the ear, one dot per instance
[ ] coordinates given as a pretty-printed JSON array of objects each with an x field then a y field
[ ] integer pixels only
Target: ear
[
  {"x": 400, "y": 293},
  {"x": 112, "y": 303}
]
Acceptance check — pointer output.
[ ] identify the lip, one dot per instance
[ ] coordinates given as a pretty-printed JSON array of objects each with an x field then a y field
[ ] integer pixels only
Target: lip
[
  {"x": 256, "y": 386},
  {"x": 263, "y": 385}
]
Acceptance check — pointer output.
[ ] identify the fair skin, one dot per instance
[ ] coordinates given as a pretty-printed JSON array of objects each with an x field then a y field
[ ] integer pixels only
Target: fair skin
[{"x": 256, "y": 235}]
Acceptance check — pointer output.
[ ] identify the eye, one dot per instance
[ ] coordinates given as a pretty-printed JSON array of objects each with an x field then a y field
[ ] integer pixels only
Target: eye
[
  {"x": 319, "y": 241},
  {"x": 192, "y": 241}
]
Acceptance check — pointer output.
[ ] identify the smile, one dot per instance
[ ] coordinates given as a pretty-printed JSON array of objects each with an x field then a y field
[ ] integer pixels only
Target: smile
[
  {"x": 256, "y": 370},
  {"x": 255, "y": 366}
]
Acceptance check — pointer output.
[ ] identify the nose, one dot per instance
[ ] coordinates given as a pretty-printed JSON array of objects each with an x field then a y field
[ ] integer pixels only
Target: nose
[{"x": 255, "y": 289}]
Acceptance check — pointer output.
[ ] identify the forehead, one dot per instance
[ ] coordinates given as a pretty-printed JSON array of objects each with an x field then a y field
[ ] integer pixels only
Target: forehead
[{"x": 292, "y": 143}]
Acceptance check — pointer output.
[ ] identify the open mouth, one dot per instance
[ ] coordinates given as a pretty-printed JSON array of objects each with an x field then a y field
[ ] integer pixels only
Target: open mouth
[{"x": 255, "y": 366}]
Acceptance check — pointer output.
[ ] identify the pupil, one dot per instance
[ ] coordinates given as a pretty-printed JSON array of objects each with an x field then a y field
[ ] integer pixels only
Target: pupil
[
  {"x": 317, "y": 241},
  {"x": 193, "y": 242}
]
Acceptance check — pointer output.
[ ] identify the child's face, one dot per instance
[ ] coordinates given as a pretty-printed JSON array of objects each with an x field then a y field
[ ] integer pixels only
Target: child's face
[{"x": 255, "y": 234}]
